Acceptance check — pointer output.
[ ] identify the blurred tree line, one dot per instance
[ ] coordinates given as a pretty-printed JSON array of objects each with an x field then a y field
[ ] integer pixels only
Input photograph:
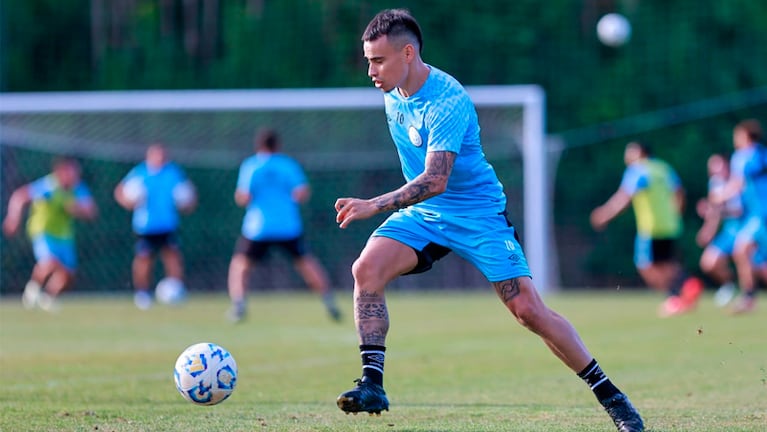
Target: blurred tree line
[{"x": 680, "y": 52}]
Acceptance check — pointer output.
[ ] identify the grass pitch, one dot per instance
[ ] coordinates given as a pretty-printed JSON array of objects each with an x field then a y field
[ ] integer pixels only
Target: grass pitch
[{"x": 455, "y": 362}]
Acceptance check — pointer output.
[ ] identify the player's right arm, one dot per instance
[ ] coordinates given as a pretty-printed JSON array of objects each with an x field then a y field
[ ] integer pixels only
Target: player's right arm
[
  {"x": 431, "y": 182},
  {"x": 19, "y": 200}
]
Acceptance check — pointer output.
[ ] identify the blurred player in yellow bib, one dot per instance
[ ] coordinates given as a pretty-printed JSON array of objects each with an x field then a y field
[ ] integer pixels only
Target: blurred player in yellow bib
[{"x": 56, "y": 201}]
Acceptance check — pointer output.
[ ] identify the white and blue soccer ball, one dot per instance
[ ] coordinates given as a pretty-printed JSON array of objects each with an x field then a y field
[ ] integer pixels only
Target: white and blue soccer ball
[
  {"x": 170, "y": 291},
  {"x": 184, "y": 194},
  {"x": 134, "y": 190},
  {"x": 205, "y": 374}
]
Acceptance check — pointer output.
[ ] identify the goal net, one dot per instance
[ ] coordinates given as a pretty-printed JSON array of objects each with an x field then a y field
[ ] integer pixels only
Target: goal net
[{"x": 339, "y": 135}]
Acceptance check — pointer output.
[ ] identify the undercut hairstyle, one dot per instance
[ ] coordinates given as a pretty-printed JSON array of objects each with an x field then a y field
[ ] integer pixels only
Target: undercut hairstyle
[
  {"x": 268, "y": 139},
  {"x": 396, "y": 24},
  {"x": 753, "y": 129}
]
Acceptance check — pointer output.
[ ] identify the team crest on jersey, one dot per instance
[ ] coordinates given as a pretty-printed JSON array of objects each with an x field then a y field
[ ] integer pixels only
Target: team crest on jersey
[{"x": 415, "y": 137}]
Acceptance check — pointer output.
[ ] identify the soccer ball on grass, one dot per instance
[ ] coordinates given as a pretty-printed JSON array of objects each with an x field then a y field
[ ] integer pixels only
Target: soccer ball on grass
[
  {"x": 170, "y": 291},
  {"x": 205, "y": 374}
]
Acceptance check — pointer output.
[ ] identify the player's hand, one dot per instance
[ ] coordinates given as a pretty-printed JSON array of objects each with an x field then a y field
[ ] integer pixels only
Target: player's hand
[
  {"x": 598, "y": 221},
  {"x": 351, "y": 209}
]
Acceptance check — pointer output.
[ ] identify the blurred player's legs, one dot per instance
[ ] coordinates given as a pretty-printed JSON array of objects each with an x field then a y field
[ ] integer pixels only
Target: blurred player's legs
[
  {"x": 239, "y": 267},
  {"x": 317, "y": 280}
]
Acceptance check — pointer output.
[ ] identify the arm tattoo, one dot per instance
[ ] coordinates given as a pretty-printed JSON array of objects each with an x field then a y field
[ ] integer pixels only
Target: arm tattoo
[
  {"x": 429, "y": 183},
  {"x": 372, "y": 318},
  {"x": 507, "y": 290}
]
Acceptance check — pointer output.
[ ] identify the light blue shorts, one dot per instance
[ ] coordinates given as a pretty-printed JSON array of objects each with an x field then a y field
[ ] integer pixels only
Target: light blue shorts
[
  {"x": 488, "y": 242},
  {"x": 46, "y": 248},
  {"x": 725, "y": 238}
]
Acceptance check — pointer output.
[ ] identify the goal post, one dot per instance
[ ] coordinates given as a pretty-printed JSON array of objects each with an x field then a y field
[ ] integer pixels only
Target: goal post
[{"x": 341, "y": 136}]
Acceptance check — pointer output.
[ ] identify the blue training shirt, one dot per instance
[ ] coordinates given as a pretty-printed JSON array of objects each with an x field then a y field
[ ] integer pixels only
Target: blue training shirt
[
  {"x": 441, "y": 117},
  {"x": 272, "y": 213},
  {"x": 750, "y": 165},
  {"x": 158, "y": 213}
]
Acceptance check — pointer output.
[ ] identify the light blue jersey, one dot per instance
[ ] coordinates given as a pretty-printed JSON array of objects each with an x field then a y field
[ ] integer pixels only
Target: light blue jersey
[
  {"x": 469, "y": 217},
  {"x": 270, "y": 180},
  {"x": 441, "y": 117},
  {"x": 157, "y": 213},
  {"x": 750, "y": 165}
]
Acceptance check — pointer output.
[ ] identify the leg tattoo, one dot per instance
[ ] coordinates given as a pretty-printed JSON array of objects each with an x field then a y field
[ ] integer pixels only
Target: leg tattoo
[
  {"x": 372, "y": 318},
  {"x": 507, "y": 290}
]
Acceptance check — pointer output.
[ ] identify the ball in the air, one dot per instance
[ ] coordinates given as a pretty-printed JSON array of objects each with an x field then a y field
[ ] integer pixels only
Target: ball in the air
[
  {"x": 613, "y": 30},
  {"x": 205, "y": 374}
]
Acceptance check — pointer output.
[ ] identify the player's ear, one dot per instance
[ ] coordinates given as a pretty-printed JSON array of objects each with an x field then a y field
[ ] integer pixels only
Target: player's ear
[{"x": 410, "y": 52}]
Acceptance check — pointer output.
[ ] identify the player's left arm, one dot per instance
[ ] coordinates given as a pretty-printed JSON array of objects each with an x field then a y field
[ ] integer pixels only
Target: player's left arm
[{"x": 431, "y": 182}]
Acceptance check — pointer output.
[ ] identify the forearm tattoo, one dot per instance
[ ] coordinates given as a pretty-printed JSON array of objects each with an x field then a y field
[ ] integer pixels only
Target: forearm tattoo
[
  {"x": 507, "y": 290},
  {"x": 439, "y": 165},
  {"x": 372, "y": 318}
]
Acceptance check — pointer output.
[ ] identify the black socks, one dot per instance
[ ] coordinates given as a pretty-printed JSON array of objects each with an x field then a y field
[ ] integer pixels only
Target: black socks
[
  {"x": 373, "y": 362},
  {"x": 602, "y": 387}
]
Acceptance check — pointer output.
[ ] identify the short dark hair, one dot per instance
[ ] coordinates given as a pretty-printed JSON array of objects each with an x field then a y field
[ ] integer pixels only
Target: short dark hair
[
  {"x": 643, "y": 147},
  {"x": 268, "y": 138},
  {"x": 753, "y": 129},
  {"x": 396, "y": 24}
]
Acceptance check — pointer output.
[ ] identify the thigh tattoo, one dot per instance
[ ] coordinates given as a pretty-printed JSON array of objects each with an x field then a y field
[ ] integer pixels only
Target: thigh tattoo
[{"x": 507, "y": 290}]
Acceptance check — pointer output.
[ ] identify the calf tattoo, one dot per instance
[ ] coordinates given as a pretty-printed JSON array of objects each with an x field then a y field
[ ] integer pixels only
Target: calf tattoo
[
  {"x": 507, "y": 290},
  {"x": 372, "y": 318}
]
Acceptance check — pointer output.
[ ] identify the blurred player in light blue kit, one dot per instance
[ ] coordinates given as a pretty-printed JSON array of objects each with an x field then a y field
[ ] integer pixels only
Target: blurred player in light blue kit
[
  {"x": 748, "y": 178},
  {"x": 272, "y": 186},
  {"x": 57, "y": 200},
  {"x": 721, "y": 223},
  {"x": 452, "y": 201},
  {"x": 155, "y": 190}
]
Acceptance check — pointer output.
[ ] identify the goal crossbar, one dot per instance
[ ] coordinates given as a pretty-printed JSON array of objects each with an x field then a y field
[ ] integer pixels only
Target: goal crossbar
[{"x": 536, "y": 198}]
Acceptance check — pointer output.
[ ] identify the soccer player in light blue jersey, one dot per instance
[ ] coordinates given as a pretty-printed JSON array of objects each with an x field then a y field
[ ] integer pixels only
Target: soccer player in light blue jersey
[
  {"x": 451, "y": 201},
  {"x": 156, "y": 191},
  {"x": 271, "y": 186},
  {"x": 748, "y": 178}
]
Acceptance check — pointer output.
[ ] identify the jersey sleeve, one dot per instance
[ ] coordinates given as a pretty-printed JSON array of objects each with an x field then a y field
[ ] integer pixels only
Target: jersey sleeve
[
  {"x": 297, "y": 175},
  {"x": 41, "y": 188},
  {"x": 244, "y": 177},
  {"x": 674, "y": 181},
  {"x": 82, "y": 194},
  {"x": 447, "y": 123},
  {"x": 633, "y": 180},
  {"x": 738, "y": 165}
]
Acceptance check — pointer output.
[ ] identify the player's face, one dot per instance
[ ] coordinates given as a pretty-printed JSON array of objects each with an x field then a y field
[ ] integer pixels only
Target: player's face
[
  {"x": 740, "y": 138},
  {"x": 156, "y": 156},
  {"x": 387, "y": 65},
  {"x": 632, "y": 154},
  {"x": 68, "y": 175}
]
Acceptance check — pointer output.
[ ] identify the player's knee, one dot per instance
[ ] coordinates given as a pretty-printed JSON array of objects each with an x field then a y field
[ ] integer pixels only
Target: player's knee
[{"x": 528, "y": 311}]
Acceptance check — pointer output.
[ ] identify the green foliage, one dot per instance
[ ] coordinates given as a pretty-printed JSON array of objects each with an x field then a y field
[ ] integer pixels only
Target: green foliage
[{"x": 679, "y": 52}]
